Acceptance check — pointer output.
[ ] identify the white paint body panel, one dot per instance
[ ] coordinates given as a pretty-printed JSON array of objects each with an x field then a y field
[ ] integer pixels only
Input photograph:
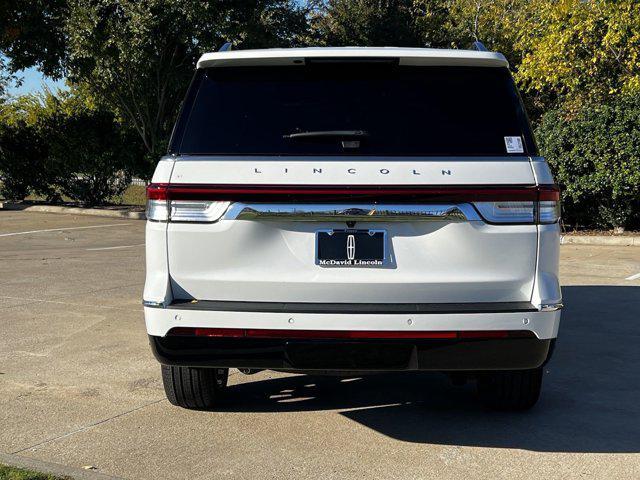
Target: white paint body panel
[
  {"x": 162, "y": 173},
  {"x": 157, "y": 286},
  {"x": 541, "y": 171},
  {"x": 431, "y": 262},
  {"x": 353, "y": 171},
  {"x": 547, "y": 284}
]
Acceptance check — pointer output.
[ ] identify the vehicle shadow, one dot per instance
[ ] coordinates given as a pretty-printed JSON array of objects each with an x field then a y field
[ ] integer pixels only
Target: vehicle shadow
[{"x": 590, "y": 400}]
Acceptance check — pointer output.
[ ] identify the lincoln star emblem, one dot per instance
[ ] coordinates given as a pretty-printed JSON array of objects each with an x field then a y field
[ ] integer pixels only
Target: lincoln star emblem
[{"x": 351, "y": 247}]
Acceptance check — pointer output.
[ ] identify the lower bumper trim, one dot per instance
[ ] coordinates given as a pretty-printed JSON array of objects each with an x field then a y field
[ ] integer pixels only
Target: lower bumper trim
[
  {"x": 352, "y": 308},
  {"x": 360, "y": 354}
]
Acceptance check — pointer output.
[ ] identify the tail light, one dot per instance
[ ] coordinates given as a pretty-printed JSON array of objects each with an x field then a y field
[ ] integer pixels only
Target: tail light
[
  {"x": 507, "y": 212},
  {"x": 548, "y": 204},
  {"x": 543, "y": 208},
  {"x": 208, "y": 203},
  {"x": 162, "y": 208},
  {"x": 157, "y": 208},
  {"x": 196, "y": 210}
]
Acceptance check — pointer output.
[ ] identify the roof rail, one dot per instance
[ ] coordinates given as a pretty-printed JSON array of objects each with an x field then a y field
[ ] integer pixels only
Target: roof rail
[
  {"x": 226, "y": 47},
  {"x": 478, "y": 46}
]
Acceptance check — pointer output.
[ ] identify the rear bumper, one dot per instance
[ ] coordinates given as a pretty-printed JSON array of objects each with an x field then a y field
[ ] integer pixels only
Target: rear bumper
[
  {"x": 374, "y": 355},
  {"x": 355, "y": 317},
  {"x": 396, "y": 343}
]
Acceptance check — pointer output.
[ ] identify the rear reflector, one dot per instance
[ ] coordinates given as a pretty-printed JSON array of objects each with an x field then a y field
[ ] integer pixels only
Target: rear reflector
[{"x": 344, "y": 334}]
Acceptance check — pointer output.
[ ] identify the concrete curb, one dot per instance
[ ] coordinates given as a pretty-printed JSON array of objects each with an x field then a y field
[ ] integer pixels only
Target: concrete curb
[
  {"x": 98, "y": 212},
  {"x": 53, "y": 468},
  {"x": 620, "y": 241}
]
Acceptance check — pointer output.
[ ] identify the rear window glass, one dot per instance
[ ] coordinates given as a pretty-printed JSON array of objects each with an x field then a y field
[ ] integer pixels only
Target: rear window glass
[{"x": 353, "y": 109}]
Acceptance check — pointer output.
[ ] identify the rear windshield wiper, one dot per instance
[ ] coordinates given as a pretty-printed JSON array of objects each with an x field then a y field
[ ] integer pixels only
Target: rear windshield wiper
[{"x": 328, "y": 133}]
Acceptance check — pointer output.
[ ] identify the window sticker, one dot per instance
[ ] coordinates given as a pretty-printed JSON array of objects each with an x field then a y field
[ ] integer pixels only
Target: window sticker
[{"x": 514, "y": 144}]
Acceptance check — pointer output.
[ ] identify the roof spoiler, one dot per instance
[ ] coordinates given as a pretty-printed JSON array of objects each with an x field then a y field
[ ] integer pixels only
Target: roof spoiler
[{"x": 296, "y": 56}]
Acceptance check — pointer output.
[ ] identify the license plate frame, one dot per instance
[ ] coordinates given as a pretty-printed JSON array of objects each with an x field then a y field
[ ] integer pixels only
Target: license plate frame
[{"x": 378, "y": 248}]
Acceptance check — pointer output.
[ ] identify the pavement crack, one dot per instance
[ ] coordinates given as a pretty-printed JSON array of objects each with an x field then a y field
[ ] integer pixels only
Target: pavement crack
[
  {"x": 87, "y": 427},
  {"x": 98, "y": 290},
  {"x": 4, "y": 307}
]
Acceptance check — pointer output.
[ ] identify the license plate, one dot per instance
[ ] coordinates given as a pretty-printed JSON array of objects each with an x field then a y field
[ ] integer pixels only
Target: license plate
[{"x": 351, "y": 248}]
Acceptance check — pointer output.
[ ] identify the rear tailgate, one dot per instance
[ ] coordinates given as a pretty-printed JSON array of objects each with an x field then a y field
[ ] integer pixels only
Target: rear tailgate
[{"x": 429, "y": 261}]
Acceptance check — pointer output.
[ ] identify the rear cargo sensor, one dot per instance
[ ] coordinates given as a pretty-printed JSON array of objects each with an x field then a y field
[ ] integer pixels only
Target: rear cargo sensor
[{"x": 345, "y": 334}]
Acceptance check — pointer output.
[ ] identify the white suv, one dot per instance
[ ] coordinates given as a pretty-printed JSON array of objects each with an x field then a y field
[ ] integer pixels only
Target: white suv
[{"x": 331, "y": 210}]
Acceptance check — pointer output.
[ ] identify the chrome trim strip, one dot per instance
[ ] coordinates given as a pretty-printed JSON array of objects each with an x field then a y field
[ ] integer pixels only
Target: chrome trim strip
[
  {"x": 153, "y": 304},
  {"x": 551, "y": 307},
  {"x": 352, "y": 212}
]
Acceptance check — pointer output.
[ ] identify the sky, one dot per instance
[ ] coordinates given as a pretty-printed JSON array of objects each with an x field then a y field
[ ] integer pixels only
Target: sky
[{"x": 33, "y": 82}]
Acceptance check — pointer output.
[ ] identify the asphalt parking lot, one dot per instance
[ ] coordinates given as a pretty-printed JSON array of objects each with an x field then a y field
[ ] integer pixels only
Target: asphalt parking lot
[{"x": 79, "y": 386}]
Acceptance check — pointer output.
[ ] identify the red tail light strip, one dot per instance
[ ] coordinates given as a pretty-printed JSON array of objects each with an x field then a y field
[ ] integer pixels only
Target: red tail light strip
[
  {"x": 343, "y": 334},
  {"x": 157, "y": 191},
  {"x": 162, "y": 191},
  {"x": 549, "y": 193}
]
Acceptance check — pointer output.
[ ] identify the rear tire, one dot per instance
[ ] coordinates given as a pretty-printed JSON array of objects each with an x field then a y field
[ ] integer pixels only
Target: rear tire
[
  {"x": 510, "y": 389},
  {"x": 194, "y": 388}
]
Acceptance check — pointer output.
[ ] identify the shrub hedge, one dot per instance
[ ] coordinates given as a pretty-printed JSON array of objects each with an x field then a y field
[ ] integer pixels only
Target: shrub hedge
[
  {"x": 594, "y": 153},
  {"x": 60, "y": 145}
]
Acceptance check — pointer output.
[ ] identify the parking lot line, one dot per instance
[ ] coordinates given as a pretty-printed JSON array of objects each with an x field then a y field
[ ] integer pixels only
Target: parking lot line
[
  {"x": 61, "y": 229},
  {"x": 633, "y": 277},
  {"x": 115, "y": 248}
]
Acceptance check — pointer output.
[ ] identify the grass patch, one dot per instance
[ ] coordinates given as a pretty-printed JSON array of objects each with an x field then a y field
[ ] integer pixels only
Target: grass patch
[
  {"x": 12, "y": 473},
  {"x": 134, "y": 195}
]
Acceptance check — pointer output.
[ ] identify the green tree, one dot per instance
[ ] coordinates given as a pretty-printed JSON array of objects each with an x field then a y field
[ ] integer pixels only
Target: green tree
[
  {"x": 88, "y": 145},
  {"x": 136, "y": 57},
  {"x": 578, "y": 51},
  {"x": 365, "y": 23},
  {"x": 31, "y": 35},
  {"x": 5, "y": 78},
  {"x": 419, "y": 23},
  {"x": 24, "y": 164},
  {"x": 63, "y": 145},
  {"x": 492, "y": 22}
]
